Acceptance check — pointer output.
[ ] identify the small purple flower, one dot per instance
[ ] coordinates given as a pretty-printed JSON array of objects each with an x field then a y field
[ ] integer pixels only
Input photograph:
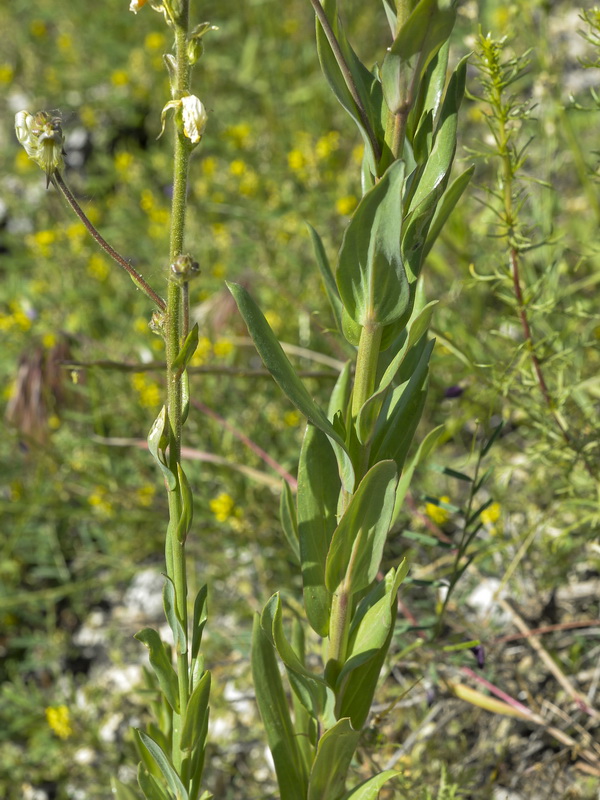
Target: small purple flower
[
  {"x": 453, "y": 391},
  {"x": 479, "y": 654}
]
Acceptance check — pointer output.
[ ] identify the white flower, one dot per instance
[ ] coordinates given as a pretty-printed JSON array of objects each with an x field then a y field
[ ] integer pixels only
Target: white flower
[
  {"x": 42, "y": 137},
  {"x": 135, "y": 5},
  {"x": 190, "y": 113}
]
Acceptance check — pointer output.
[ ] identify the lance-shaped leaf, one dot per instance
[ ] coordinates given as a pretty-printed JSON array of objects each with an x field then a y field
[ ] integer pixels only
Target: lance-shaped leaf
[
  {"x": 431, "y": 92},
  {"x": 195, "y": 723},
  {"x": 170, "y": 606},
  {"x": 184, "y": 356},
  {"x": 369, "y": 789},
  {"x": 357, "y": 544},
  {"x": 288, "y": 518},
  {"x": 328, "y": 280},
  {"x": 273, "y": 707},
  {"x": 199, "y": 619},
  {"x": 425, "y": 448},
  {"x": 334, "y": 755},
  {"x": 367, "y": 416},
  {"x": 151, "y": 788},
  {"x": 367, "y": 86},
  {"x": 317, "y": 499},
  {"x": 161, "y": 664},
  {"x": 370, "y": 274},
  {"x": 121, "y": 791},
  {"x": 164, "y": 764},
  {"x": 310, "y": 688},
  {"x": 276, "y": 361},
  {"x": 158, "y": 442},
  {"x": 424, "y": 32},
  {"x": 340, "y": 394},
  {"x": 187, "y": 506},
  {"x": 445, "y": 207}
]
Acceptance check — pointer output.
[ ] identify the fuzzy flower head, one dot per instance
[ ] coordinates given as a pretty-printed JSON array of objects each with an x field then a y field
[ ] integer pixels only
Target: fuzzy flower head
[
  {"x": 190, "y": 115},
  {"x": 42, "y": 137}
]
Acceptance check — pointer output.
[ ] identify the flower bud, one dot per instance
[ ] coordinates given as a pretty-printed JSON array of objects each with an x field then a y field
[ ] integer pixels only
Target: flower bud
[
  {"x": 42, "y": 137},
  {"x": 194, "y": 118},
  {"x": 183, "y": 269}
]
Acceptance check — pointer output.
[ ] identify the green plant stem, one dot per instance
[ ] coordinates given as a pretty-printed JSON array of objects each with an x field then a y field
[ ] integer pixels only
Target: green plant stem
[
  {"x": 339, "y": 625},
  {"x": 366, "y": 365},
  {"x": 58, "y": 181},
  {"x": 173, "y": 331}
]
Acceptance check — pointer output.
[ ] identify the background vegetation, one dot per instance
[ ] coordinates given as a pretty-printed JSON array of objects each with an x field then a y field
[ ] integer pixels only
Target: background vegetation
[{"x": 82, "y": 508}]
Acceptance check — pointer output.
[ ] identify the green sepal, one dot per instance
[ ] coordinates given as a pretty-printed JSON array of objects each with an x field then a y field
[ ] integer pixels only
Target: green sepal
[
  {"x": 273, "y": 707},
  {"x": 317, "y": 500},
  {"x": 188, "y": 348},
  {"x": 282, "y": 371},
  {"x": 369, "y": 789},
  {"x": 357, "y": 544},
  {"x": 327, "y": 275},
  {"x": 199, "y": 620},
  {"x": 161, "y": 664},
  {"x": 367, "y": 86},
  {"x": 158, "y": 442},
  {"x": 370, "y": 275},
  {"x": 309, "y": 688},
  {"x": 367, "y": 416},
  {"x": 170, "y": 606},
  {"x": 195, "y": 723},
  {"x": 334, "y": 755},
  {"x": 418, "y": 41},
  {"x": 164, "y": 764},
  {"x": 151, "y": 788},
  {"x": 289, "y": 520},
  {"x": 121, "y": 791},
  {"x": 187, "y": 506}
]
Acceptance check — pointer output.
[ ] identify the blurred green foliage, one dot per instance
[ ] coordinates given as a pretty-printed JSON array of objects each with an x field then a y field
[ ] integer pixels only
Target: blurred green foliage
[{"x": 81, "y": 516}]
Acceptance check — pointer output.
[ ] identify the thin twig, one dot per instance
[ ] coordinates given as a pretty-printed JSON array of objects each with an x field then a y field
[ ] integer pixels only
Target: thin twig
[
  {"x": 159, "y": 366},
  {"x": 122, "y": 262}
]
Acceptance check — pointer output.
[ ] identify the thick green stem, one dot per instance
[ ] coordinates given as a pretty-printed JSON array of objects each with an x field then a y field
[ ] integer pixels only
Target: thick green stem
[
  {"x": 366, "y": 365},
  {"x": 175, "y": 315},
  {"x": 339, "y": 626}
]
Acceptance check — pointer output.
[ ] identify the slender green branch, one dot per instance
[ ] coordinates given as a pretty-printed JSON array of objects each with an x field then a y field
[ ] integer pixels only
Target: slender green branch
[{"x": 58, "y": 181}]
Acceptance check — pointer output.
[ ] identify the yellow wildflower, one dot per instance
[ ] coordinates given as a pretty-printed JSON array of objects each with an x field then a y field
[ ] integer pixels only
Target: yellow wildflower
[
  {"x": 149, "y": 391},
  {"x": 209, "y": 165},
  {"x": 97, "y": 267},
  {"x": 119, "y": 78},
  {"x": 99, "y": 502},
  {"x": 123, "y": 162},
  {"x": 38, "y": 28},
  {"x": 346, "y": 205},
  {"x": 296, "y": 160},
  {"x": 491, "y": 514},
  {"x": 145, "y": 495},
  {"x": 59, "y": 721},
  {"x": 7, "y": 73},
  {"x": 238, "y": 167},
  {"x": 48, "y": 340},
  {"x": 154, "y": 41},
  {"x": 292, "y": 418},
  {"x": 438, "y": 514},
  {"x": 222, "y": 348},
  {"x": 223, "y": 507}
]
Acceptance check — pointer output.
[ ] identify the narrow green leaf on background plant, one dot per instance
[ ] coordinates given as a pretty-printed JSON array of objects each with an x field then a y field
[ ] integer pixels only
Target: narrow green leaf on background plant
[
  {"x": 327, "y": 275},
  {"x": 288, "y": 517},
  {"x": 164, "y": 764},
  {"x": 370, "y": 275},
  {"x": 276, "y": 361},
  {"x": 195, "y": 721},
  {"x": 273, "y": 707},
  {"x": 121, "y": 791},
  {"x": 199, "y": 619},
  {"x": 151, "y": 788},
  {"x": 157, "y": 444},
  {"x": 161, "y": 664},
  {"x": 334, "y": 754},
  {"x": 369, "y": 789},
  {"x": 357, "y": 543},
  {"x": 317, "y": 499},
  {"x": 188, "y": 349},
  {"x": 187, "y": 505},
  {"x": 170, "y": 606}
]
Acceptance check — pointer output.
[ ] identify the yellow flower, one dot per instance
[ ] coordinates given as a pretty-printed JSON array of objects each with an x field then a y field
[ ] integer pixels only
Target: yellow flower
[
  {"x": 203, "y": 351},
  {"x": 145, "y": 495},
  {"x": 209, "y": 165},
  {"x": 438, "y": 514},
  {"x": 154, "y": 41},
  {"x": 327, "y": 144},
  {"x": 123, "y": 162},
  {"x": 149, "y": 391},
  {"x": 296, "y": 160},
  {"x": 48, "y": 340},
  {"x": 7, "y": 73},
  {"x": 59, "y": 721},
  {"x": 223, "y": 507},
  {"x": 222, "y": 348},
  {"x": 97, "y": 267},
  {"x": 238, "y": 167},
  {"x": 491, "y": 514},
  {"x": 239, "y": 134},
  {"x": 119, "y": 78},
  {"x": 97, "y": 500},
  {"x": 346, "y": 205},
  {"x": 38, "y": 28},
  {"x": 292, "y": 418}
]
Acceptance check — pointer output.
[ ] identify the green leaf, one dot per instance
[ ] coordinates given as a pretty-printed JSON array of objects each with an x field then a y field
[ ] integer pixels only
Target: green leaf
[
  {"x": 370, "y": 274},
  {"x": 158, "y": 442},
  {"x": 424, "y": 32},
  {"x": 328, "y": 280},
  {"x": 445, "y": 207},
  {"x": 431, "y": 92},
  {"x": 151, "y": 788},
  {"x": 199, "y": 619},
  {"x": 187, "y": 506},
  {"x": 161, "y": 664},
  {"x": 273, "y": 707},
  {"x": 367, "y": 416},
  {"x": 340, "y": 395},
  {"x": 164, "y": 764},
  {"x": 317, "y": 499},
  {"x": 289, "y": 521},
  {"x": 425, "y": 448},
  {"x": 170, "y": 606},
  {"x": 195, "y": 724},
  {"x": 188, "y": 349},
  {"x": 282, "y": 371},
  {"x": 367, "y": 86},
  {"x": 185, "y": 396},
  {"x": 121, "y": 791},
  {"x": 332, "y": 762},
  {"x": 369, "y": 789},
  {"x": 357, "y": 544},
  {"x": 310, "y": 688}
]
